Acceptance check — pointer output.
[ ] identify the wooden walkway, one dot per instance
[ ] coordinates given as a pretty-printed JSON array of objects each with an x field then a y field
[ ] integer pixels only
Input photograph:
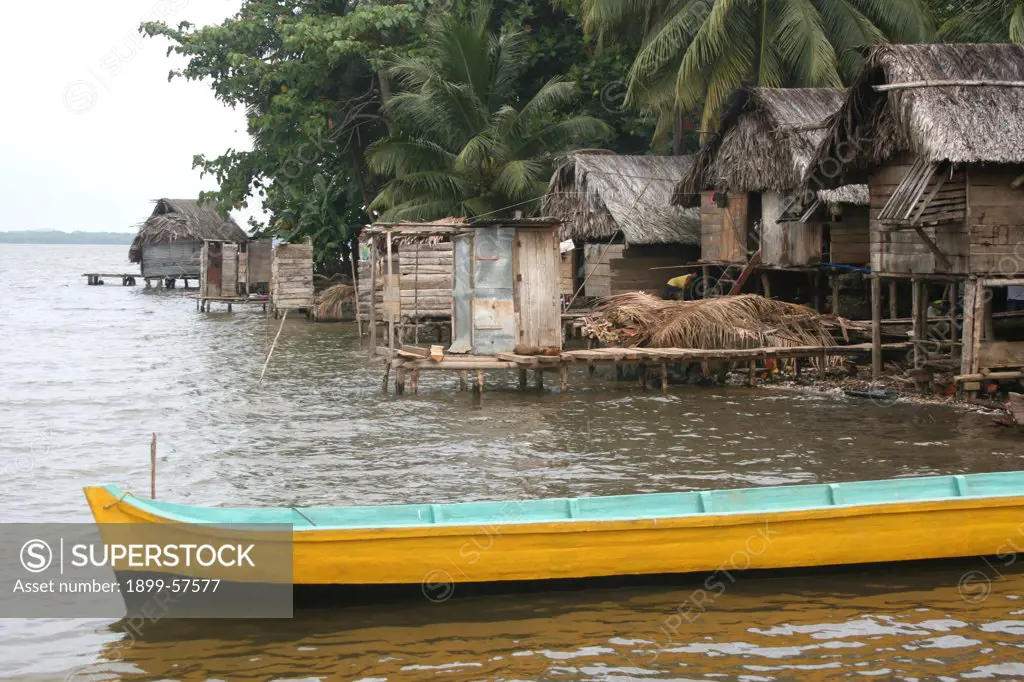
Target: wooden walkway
[{"x": 411, "y": 361}]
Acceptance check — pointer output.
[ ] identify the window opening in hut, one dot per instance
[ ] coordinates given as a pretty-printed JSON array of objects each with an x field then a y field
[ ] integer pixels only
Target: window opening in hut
[{"x": 753, "y": 222}]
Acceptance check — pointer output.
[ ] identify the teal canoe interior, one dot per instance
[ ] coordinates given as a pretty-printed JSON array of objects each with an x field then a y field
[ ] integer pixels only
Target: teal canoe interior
[{"x": 621, "y": 507}]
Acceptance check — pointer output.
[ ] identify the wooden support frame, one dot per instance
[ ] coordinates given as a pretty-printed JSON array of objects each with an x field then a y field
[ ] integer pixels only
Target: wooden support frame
[
  {"x": 932, "y": 247},
  {"x": 876, "y": 328}
]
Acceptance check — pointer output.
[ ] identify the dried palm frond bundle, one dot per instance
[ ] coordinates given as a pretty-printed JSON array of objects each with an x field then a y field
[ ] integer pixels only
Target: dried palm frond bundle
[
  {"x": 331, "y": 302},
  {"x": 729, "y": 322}
]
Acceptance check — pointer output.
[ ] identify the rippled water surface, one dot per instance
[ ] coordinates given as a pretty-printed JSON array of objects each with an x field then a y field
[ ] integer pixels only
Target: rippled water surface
[{"x": 88, "y": 373}]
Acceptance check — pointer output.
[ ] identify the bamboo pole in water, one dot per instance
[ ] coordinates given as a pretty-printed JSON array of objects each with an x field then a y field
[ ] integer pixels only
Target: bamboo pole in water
[{"x": 152, "y": 468}]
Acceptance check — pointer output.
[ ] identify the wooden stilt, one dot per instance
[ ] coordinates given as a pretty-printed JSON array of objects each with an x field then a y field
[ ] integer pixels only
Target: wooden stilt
[
  {"x": 563, "y": 375},
  {"x": 753, "y": 373},
  {"x": 464, "y": 380},
  {"x": 538, "y": 379},
  {"x": 591, "y": 369},
  {"x": 876, "y": 327},
  {"x": 816, "y": 283},
  {"x": 373, "y": 295},
  {"x": 400, "y": 381},
  {"x": 353, "y": 254},
  {"x": 415, "y": 381},
  {"x": 522, "y": 378},
  {"x": 229, "y": 306},
  {"x": 835, "y": 294},
  {"x": 387, "y": 375},
  {"x": 641, "y": 376},
  {"x": 920, "y": 320},
  {"x": 389, "y": 288},
  {"x": 954, "y": 308},
  {"x": 893, "y": 309},
  {"x": 480, "y": 381},
  {"x": 824, "y": 366},
  {"x": 796, "y": 367},
  {"x": 766, "y": 285},
  {"x": 664, "y": 378},
  {"x": 705, "y": 274}
]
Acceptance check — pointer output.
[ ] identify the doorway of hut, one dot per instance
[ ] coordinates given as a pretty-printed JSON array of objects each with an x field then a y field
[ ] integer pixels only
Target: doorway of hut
[{"x": 754, "y": 219}]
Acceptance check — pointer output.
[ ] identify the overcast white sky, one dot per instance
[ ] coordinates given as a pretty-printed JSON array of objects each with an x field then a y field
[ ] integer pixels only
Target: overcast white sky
[{"x": 90, "y": 129}]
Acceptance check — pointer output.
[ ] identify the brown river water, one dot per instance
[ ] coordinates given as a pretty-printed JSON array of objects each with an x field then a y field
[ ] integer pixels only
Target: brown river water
[{"x": 88, "y": 373}]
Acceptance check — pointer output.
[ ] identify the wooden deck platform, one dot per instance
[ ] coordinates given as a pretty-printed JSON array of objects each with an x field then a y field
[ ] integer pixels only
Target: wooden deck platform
[
  {"x": 411, "y": 363},
  {"x": 96, "y": 278},
  {"x": 205, "y": 303}
]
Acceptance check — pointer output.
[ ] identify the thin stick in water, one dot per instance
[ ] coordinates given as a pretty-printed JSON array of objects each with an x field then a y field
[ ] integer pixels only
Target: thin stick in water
[
  {"x": 152, "y": 468},
  {"x": 272, "y": 346}
]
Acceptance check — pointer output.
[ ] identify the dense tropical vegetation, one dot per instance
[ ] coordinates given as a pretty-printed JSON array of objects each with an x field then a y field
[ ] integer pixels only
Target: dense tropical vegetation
[{"x": 418, "y": 109}]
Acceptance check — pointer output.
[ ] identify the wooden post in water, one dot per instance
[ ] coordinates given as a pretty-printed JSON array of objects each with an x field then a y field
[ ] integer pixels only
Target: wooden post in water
[
  {"x": 522, "y": 379},
  {"x": 353, "y": 253},
  {"x": 893, "y": 310},
  {"x": 876, "y": 327},
  {"x": 152, "y": 468},
  {"x": 538, "y": 379},
  {"x": 835, "y": 294},
  {"x": 664, "y": 378},
  {"x": 389, "y": 286},
  {"x": 563, "y": 373},
  {"x": 463, "y": 380},
  {"x": 373, "y": 295}
]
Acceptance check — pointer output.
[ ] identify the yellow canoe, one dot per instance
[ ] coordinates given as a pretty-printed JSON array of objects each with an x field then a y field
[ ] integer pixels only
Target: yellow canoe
[{"x": 438, "y": 545}]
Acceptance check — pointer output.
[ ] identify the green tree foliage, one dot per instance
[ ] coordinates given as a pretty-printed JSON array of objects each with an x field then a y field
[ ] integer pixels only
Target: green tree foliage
[
  {"x": 464, "y": 144},
  {"x": 694, "y": 53},
  {"x": 980, "y": 21}
]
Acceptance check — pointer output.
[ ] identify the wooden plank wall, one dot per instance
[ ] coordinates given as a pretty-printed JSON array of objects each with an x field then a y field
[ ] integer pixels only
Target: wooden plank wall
[
  {"x": 996, "y": 221},
  {"x": 723, "y": 231},
  {"x": 179, "y": 258},
  {"x": 291, "y": 276},
  {"x": 641, "y": 267},
  {"x": 258, "y": 261},
  {"x": 790, "y": 243},
  {"x": 536, "y": 281},
  {"x": 599, "y": 273},
  {"x": 903, "y": 251},
  {"x": 229, "y": 269},
  {"x": 850, "y": 238},
  {"x": 566, "y": 281},
  {"x": 425, "y": 279}
]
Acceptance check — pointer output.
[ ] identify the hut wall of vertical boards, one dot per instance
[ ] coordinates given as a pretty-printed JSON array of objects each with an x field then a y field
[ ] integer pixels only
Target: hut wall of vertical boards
[
  {"x": 257, "y": 272},
  {"x": 291, "y": 277},
  {"x": 218, "y": 269},
  {"x": 566, "y": 274},
  {"x": 723, "y": 228}
]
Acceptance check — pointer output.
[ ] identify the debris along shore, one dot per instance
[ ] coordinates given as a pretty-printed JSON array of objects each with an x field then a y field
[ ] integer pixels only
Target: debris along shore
[{"x": 754, "y": 322}]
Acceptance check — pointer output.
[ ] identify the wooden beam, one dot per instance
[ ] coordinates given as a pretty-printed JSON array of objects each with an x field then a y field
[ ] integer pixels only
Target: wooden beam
[
  {"x": 388, "y": 286},
  {"x": 928, "y": 200},
  {"x": 915, "y": 85},
  {"x": 876, "y": 328},
  {"x": 754, "y": 261},
  {"x": 373, "y": 293},
  {"x": 967, "y": 350},
  {"x": 932, "y": 247}
]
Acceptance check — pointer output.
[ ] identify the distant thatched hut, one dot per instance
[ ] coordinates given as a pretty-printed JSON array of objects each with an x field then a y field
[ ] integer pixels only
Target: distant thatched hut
[
  {"x": 169, "y": 242},
  {"x": 937, "y": 132},
  {"x": 744, "y": 178},
  {"x": 620, "y": 208}
]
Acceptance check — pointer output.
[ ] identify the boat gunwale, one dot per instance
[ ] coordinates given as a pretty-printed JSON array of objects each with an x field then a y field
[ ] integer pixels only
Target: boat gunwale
[{"x": 696, "y": 520}]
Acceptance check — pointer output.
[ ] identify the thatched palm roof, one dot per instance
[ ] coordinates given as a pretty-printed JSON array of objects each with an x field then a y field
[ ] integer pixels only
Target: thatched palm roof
[
  {"x": 176, "y": 219},
  {"x": 935, "y": 119},
  {"x": 766, "y": 141},
  {"x": 600, "y": 195}
]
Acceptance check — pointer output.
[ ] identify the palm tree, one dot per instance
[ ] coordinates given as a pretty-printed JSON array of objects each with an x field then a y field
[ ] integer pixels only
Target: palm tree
[
  {"x": 696, "y": 52},
  {"x": 463, "y": 145},
  {"x": 981, "y": 21}
]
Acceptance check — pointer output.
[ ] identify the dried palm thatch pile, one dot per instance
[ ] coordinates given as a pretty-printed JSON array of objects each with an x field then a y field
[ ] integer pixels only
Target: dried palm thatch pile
[
  {"x": 731, "y": 322},
  {"x": 332, "y": 301}
]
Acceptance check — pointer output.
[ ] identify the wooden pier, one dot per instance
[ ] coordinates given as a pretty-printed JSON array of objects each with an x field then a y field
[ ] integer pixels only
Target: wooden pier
[
  {"x": 205, "y": 303},
  {"x": 96, "y": 278},
  {"x": 408, "y": 362}
]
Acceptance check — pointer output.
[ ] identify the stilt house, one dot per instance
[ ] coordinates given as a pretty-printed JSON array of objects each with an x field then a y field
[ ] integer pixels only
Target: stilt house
[
  {"x": 618, "y": 209},
  {"x": 937, "y": 132},
  {"x": 747, "y": 175},
  {"x": 169, "y": 242}
]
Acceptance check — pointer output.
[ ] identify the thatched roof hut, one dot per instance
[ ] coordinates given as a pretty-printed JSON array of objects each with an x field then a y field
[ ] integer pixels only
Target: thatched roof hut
[
  {"x": 600, "y": 195},
  {"x": 767, "y": 139},
  {"x": 175, "y": 220},
  {"x": 960, "y": 103}
]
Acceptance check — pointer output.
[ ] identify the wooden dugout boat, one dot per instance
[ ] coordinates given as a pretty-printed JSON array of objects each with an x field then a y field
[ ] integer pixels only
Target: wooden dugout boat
[{"x": 630, "y": 535}]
